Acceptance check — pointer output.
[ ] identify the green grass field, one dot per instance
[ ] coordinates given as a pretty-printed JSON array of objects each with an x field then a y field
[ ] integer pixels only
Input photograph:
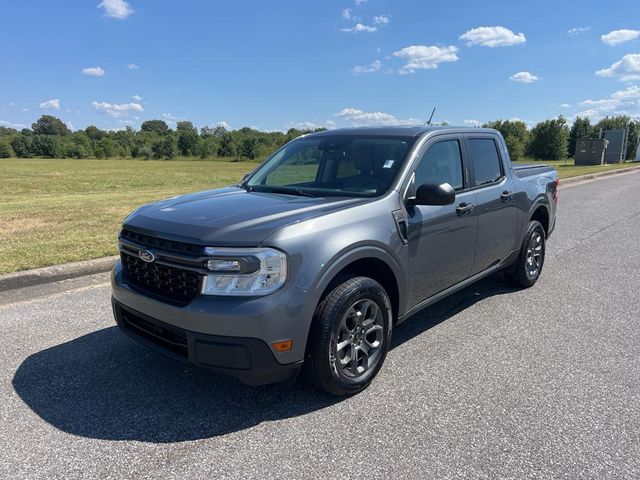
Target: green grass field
[{"x": 56, "y": 211}]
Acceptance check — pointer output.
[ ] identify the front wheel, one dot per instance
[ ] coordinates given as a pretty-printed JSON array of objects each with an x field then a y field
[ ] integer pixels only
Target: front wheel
[
  {"x": 526, "y": 271},
  {"x": 350, "y": 336}
]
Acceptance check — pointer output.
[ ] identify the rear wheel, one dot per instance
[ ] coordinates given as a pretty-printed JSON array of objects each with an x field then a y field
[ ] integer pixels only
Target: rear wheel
[
  {"x": 526, "y": 271},
  {"x": 350, "y": 336}
]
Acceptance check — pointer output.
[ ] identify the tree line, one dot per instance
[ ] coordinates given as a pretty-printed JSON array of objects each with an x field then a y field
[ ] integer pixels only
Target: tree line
[
  {"x": 51, "y": 138},
  {"x": 554, "y": 139}
]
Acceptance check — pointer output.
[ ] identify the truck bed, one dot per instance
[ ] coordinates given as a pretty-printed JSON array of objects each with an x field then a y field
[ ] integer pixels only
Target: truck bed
[{"x": 528, "y": 170}]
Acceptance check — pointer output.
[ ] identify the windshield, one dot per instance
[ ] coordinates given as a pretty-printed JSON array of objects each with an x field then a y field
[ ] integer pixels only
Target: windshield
[{"x": 341, "y": 165}]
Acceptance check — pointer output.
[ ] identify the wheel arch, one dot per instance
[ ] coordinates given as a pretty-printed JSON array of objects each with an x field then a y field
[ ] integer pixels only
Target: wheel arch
[{"x": 369, "y": 262}]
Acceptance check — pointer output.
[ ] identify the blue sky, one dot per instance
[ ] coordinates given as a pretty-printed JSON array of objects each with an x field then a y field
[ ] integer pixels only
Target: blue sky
[{"x": 275, "y": 65}]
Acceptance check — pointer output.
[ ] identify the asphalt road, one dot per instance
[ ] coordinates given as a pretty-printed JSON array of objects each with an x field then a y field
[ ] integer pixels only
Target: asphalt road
[{"x": 490, "y": 383}]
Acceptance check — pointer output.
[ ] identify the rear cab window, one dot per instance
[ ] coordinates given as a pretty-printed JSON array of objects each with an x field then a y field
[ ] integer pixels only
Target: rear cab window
[{"x": 485, "y": 160}]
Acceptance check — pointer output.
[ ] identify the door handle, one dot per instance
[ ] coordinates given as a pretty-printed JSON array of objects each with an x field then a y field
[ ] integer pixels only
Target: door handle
[
  {"x": 506, "y": 196},
  {"x": 464, "y": 208}
]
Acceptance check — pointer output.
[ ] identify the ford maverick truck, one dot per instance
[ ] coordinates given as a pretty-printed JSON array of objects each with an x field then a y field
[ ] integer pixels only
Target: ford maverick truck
[{"x": 317, "y": 255}]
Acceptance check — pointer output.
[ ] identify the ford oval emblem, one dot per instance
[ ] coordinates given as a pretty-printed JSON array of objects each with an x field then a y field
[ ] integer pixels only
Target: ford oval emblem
[{"x": 146, "y": 256}]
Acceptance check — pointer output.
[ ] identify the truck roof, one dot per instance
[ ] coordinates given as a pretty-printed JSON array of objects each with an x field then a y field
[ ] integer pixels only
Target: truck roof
[{"x": 399, "y": 131}]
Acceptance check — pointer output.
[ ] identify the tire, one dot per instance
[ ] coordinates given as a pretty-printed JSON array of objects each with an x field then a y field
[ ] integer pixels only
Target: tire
[
  {"x": 526, "y": 271},
  {"x": 355, "y": 316}
]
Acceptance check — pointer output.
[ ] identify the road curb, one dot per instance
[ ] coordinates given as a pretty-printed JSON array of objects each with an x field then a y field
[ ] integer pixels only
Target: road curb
[
  {"x": 597, "y": 175},
  {"x": 27, "y": 278}
]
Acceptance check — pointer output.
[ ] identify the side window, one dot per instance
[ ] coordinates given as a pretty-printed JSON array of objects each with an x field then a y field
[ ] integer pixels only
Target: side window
[
  {"x": 485, "y": 159},
  {"x": 441, "y": 163}
]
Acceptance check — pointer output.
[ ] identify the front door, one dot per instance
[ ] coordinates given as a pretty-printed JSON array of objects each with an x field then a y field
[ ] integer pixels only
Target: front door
[{"x": 441, "y": 239}]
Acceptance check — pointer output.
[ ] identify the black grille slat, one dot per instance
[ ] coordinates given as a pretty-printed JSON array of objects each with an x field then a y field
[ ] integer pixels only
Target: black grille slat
[
  {"x": 173, "y": 340},
  {"x": 174, "y": 284},
  {"x": 161, "y": 243}
]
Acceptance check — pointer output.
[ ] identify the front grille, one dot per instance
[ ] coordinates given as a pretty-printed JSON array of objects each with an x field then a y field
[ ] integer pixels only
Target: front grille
[
  {"x": 171, "y": 339},
  {"x": 172, "y": 284},
  {"x": 161, "y": 244}
]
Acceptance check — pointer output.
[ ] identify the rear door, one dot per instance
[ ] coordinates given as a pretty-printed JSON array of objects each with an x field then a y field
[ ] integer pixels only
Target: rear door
[
  {"x": 494, "y": 189},
  {"x": 441, "y": 239}
]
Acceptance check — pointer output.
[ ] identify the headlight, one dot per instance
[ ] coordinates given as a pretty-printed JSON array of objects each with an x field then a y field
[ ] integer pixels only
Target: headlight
[{"x": 244, "y": 272}]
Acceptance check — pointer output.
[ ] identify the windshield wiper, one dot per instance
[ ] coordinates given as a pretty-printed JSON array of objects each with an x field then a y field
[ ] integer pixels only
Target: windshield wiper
[{"x": 283, "y": 190}]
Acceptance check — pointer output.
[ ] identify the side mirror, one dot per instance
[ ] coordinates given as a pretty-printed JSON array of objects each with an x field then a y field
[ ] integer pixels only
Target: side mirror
[{"x": 435, "y": 194}]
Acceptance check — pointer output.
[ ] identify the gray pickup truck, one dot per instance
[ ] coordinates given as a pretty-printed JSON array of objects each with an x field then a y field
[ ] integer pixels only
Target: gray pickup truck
[{"x": 311, "y": 261}]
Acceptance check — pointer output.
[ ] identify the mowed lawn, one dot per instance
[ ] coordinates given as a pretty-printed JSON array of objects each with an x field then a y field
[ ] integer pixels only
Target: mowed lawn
[{"x": 55, "y": 211}]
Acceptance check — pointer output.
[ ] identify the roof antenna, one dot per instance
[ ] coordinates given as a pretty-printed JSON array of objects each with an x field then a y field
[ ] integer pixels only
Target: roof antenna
[{"x": 431, "y": 117}]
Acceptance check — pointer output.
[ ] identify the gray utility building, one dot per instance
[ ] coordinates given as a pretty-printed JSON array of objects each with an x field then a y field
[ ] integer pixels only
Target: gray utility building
[
  {"x": 590, "y": 151},
  {"x": 616, "y": 150}
]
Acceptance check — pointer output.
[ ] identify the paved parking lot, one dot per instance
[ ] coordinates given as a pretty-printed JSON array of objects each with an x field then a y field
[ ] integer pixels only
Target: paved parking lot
[{"x": 490, "y": 383}]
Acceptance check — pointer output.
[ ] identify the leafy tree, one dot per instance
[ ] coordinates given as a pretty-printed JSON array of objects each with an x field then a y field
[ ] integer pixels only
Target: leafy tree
[
  {"x": 157, "y": 126},
  {"x": 108, "y": 148},
  {"x": 6, "y": 150},
  {"x": 249, "y": 148},
  {"x": 22, "y": 145},
  {"x": 208, "y": 146},
  {"x": 550, "y": 139},
  {"x": 228, "y": 146},
  {"x": 47, "y": 146},
  {"x": 515, "y": 134},
  {"x": 50, "y": 125},
  {"x": 581, "y": 129},
  {"x": 165, "y": 148},
  {"x": 187, "y": 138}
]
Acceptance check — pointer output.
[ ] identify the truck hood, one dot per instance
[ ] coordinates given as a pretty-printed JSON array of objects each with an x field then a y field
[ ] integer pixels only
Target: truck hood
[{"x": 229, "y": 216}]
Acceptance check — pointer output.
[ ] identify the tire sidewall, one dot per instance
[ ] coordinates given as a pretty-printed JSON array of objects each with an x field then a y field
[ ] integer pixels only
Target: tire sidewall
[
  {"x": 362, "y": 288},
  {"x": 534, "y": 226}
]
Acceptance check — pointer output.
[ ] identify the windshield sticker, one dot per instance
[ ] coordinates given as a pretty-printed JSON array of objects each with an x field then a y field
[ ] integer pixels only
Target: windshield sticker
[{"x": 388, "y": 164}]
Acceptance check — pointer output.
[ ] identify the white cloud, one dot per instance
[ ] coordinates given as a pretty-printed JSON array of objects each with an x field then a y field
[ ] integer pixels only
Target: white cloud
[
  {"x": 359, "y": 117},
  {"x": 420, "y": 57},
  {"x": 625, "y": 101},
  {"x": 53, "y": 104},
  {"x": 359, "y": 27},
  {"x": 473, "y": 123},
  {"x": 25, "y": 109},
  {"x": 12, "y": 125},
  {"x": 492, "y": 37},
  {"x": 620, "y": 36},
  {"x": 523, "y": 77},
  {"x": 347, "y": 13},
  {"x": 572, "y": 32},
  {"x": 372, "y": 67},
  {"x": 132, "y": 66},
  {"x": 116, "y": 8},
  {"x": 565, "y": 105},
  {"x": 359, "y": 2},
  {"x": 137, "y": 98},
  {"x": 117, "y": 110},
  {"x": 626, "y": 69},
  {"x": 223, "y": 124},
  {"x": 381, "y": 19},
  {"x": 94, "y": 71}
]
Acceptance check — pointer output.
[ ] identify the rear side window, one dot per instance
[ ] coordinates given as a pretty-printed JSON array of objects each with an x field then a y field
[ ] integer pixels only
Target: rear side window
[
  {"x": 485, "y": 159},
  {"x": 441, "y": 163}
]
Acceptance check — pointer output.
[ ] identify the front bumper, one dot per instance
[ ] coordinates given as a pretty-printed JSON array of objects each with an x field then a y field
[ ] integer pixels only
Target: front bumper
[{"x": 231, "y": 335}]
